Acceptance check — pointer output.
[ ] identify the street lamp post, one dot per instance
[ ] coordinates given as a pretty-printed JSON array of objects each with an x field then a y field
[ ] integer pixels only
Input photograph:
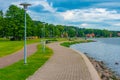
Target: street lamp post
[
  {"x": 25, "y": 5},
  {"x": 44, "y": 42}
]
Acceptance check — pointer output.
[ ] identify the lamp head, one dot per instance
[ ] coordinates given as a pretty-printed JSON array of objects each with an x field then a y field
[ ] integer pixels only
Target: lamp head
[{"x": 25, "y": 5}]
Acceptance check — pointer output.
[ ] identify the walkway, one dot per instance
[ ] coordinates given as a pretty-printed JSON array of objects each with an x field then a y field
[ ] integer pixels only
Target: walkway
[
  {"x": 10, "y": 59},
  {"x": 65, "y": 64}
]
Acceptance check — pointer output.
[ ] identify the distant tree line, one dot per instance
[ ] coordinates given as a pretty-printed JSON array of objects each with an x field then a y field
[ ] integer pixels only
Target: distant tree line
[{"x": 12, "y": 27}]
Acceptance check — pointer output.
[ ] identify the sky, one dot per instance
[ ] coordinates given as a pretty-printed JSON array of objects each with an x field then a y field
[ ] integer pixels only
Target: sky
[{"x": 97, "y": 14}]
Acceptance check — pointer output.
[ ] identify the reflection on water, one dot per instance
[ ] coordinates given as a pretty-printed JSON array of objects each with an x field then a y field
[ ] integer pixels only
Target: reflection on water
[{"x": 105, "y": 49}]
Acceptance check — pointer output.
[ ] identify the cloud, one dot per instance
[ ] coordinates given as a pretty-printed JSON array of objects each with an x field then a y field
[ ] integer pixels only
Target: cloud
[
  {"x": 84, "y": 25},
  {"x": 98, "y": 18},
  {"x": 103, "y": 0},
  {"x": 97, "y": 15},
  {"x": 46, "y": 6},
  {"x": 108, "y": 4},
  {"x": 91, "y": 15},
  {"x": 117, "y": 24}
]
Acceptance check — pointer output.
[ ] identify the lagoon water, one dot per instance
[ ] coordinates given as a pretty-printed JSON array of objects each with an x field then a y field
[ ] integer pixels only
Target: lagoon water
[{"x": 105, "y": 49}]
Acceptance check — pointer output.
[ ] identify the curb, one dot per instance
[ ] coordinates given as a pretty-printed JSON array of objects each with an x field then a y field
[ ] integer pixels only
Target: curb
[{"x": 94, "y": 74}]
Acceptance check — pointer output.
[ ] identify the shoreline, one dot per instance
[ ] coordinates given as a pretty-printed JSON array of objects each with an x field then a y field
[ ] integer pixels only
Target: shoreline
[{"x": 104, "y": 72}]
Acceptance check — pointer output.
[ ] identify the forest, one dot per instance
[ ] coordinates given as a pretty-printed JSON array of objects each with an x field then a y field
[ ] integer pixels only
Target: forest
[{"x": 12, "y": 27}]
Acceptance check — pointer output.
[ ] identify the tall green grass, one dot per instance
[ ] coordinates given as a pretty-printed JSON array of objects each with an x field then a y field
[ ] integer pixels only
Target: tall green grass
[{"x": 20, "y": 71}]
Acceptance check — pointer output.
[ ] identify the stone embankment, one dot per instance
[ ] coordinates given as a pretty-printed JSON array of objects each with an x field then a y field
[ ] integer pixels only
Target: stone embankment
[{"x": 104, "y": 72}]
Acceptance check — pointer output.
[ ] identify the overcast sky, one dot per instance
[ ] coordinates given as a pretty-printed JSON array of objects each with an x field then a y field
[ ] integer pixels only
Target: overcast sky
[{"x": 98, "y": 14}]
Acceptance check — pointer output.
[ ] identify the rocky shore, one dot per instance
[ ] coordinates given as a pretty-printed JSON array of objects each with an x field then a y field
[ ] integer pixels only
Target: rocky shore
[{"x": 104, "y": 72}]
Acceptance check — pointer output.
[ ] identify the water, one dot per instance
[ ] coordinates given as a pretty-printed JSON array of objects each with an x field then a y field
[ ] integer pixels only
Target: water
[{"x": 105, "y": 49}]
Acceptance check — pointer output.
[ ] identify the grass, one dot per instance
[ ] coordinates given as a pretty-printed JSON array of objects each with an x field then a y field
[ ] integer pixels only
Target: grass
[
  {"x": 8, "y": 47},
  {"x": 19, "y": 71},
  {"x": 67, "y": 44},
  {"x": 33, "y": 41},
  {"x": 62, "y": 39}
]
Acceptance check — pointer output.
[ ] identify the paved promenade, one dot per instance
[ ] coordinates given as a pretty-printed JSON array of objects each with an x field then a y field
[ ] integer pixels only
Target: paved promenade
[
  {"x": 10, "y": 59},
  {"x": 65, "y": 64}
]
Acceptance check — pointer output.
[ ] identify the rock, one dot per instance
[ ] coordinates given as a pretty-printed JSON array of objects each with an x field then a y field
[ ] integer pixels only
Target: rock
[
  {"x": 85, "y": 53},
  {"x": 104, "y": 72},
  {"x": 116, "y": 63}
]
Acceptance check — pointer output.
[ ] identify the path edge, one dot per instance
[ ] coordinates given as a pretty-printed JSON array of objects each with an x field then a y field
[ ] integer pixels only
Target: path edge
[{"x": 93, "y": 72}]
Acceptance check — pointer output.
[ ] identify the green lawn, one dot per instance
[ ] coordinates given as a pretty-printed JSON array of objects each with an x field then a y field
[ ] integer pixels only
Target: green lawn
[
  {"x": 9, "y": 47},
  {"x": 19, "y": 71},
  {"x": 68, "y": 43}
]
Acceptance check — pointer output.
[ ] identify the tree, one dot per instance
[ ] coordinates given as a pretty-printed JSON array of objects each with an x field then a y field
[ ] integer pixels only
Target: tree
[
  {"x": 1, "y": 14},
  {"x": 80, "y": 33},
  {"x": 60, "y": 31},
  {"x": 1, "y": 24},
  {"x": 71, "y": 32},
  {"x": 15, "y": 19}
]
